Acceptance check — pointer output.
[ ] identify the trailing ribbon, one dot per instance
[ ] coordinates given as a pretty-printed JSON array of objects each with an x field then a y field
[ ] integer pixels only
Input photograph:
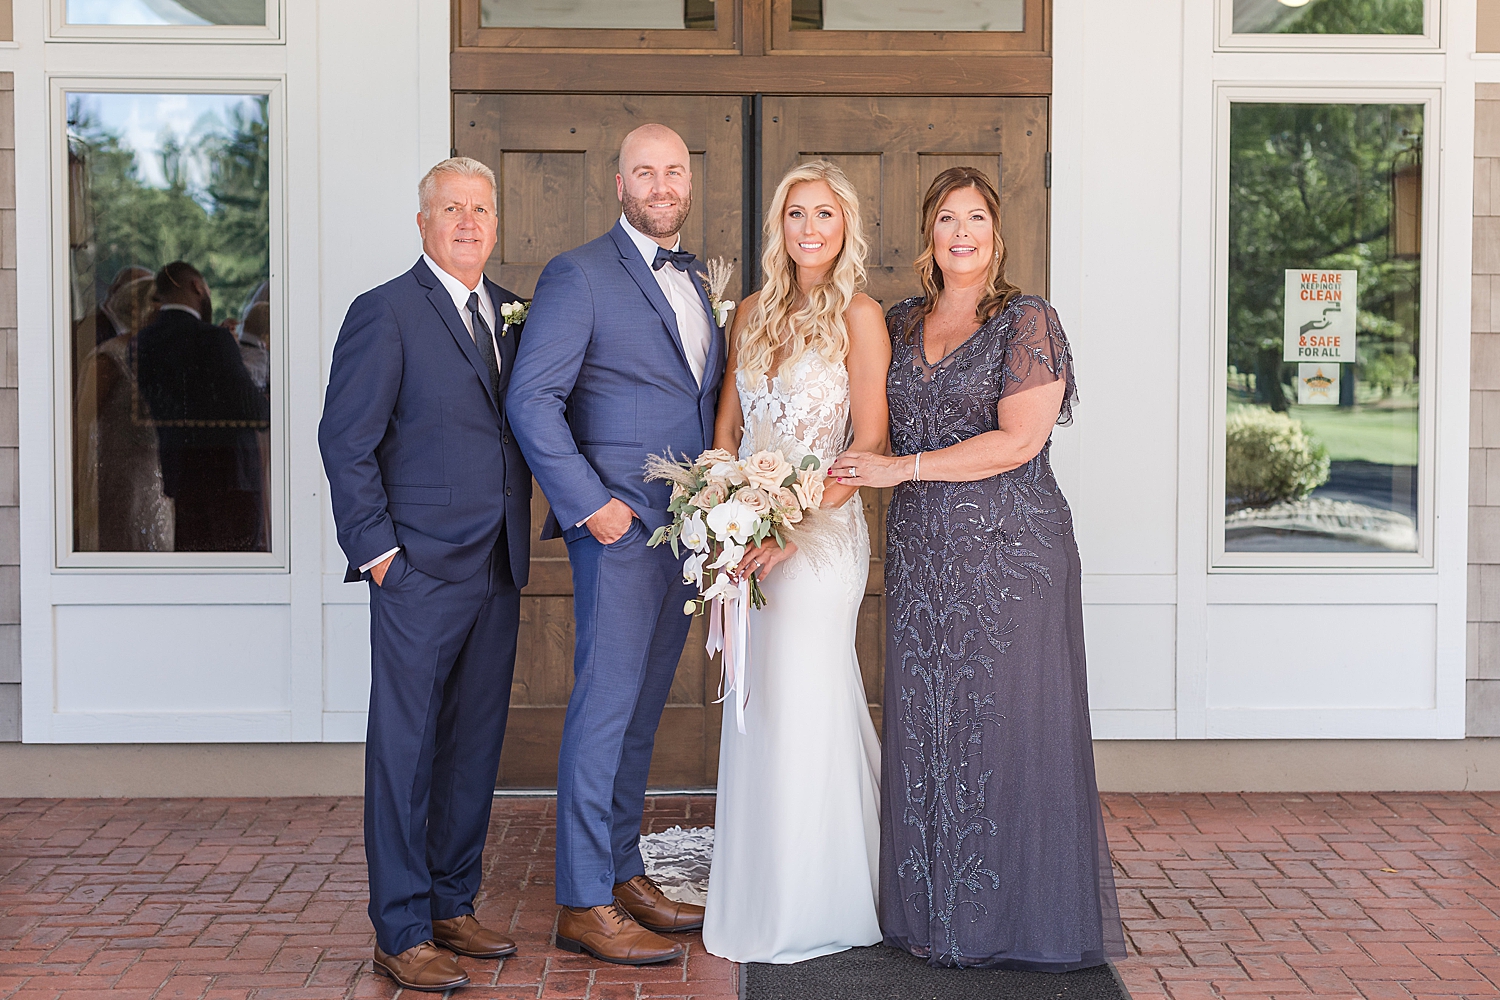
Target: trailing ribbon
[{"x": 733, "y": 638}]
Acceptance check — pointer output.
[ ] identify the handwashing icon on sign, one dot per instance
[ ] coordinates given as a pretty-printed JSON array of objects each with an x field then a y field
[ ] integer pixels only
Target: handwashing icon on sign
[{"x": 1321, "y": 324}]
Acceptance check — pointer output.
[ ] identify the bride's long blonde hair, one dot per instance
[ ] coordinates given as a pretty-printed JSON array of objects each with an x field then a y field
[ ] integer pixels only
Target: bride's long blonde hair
[{"x": 778, "y": 324}]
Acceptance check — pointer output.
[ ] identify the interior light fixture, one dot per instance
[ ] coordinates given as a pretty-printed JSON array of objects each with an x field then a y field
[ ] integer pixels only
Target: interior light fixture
[{"x": 1295, "y": 3}]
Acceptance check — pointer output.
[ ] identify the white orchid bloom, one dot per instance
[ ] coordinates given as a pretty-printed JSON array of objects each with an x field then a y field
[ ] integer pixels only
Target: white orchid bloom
[
  {"x": 723, "y": 587},
  {"x": 730, "y": 557},
  {"x": 733, "y": 520},
  {"x": 694, "y": 533},
  {"x": 727, "y": 472},
  {"x": 692, "y": 568}
]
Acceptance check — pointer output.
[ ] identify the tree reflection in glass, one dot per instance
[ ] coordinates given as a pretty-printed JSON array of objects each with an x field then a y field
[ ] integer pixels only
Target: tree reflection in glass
[
  {"x": 1330, "y": 464},
  {"x": 169, "y": 254},
  {"x": 1328, "y": 17}
]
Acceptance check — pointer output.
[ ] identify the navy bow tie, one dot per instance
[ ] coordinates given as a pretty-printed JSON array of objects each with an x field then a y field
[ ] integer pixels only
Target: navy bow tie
[{"x": 679, "y": 259}]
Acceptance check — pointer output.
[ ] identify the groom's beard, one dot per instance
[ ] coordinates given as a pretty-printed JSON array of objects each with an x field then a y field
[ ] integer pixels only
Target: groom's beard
[{"x": 657, "y": 225}]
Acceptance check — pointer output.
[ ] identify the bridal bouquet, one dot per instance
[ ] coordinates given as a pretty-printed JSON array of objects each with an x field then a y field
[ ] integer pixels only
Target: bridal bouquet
[{"x": 720, "y": 506}]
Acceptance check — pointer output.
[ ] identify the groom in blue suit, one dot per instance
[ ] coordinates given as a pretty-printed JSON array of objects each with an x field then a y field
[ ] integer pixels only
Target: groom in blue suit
[{"x": 622, "y": 359}]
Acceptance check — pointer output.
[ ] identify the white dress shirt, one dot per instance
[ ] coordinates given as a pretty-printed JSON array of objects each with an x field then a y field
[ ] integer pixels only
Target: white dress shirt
[
  {"x": 682, "y": 296},
  {"x": 460, "y": 294}
]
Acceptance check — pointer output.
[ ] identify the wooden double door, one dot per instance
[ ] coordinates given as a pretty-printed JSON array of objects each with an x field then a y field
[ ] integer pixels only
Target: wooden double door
[{"x": 555, "y": 158}]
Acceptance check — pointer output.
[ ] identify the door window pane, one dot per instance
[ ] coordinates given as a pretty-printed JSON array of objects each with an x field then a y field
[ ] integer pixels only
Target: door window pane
[
  {"x": 1328, "y": 17},
  {"x": 166, "y": 12},
  {"x": 689, "y": 14},
  {"x": 1324, "y": 370},
  {"x": 169, "y": 254},
  {"x": 908, "y": 15}
]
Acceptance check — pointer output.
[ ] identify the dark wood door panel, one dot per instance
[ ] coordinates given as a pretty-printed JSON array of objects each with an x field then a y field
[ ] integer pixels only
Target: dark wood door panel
[
  {"x": 892, "y": 148},
  {"x": 555, "y": 158},
  {"x": 556, "y": 155}
]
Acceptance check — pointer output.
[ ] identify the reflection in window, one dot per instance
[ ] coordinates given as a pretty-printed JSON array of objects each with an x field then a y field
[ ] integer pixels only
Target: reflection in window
[
  {"x": 690, "y": 14},
  {"x": 166, "y": 12},
  {"x": 1328, "y": 17},
  {"x": 908, "y": 15},
  {"x": 1324, "y": 320},
  {"x": 169, "y": 253}
]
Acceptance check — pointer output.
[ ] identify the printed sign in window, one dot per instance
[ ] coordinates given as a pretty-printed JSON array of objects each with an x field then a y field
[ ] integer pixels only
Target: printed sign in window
[{"x": 1321, "y": 308}]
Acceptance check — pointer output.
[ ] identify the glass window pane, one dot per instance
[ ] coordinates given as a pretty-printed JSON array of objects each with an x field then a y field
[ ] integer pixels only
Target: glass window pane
[
  {"x": 169, "y": 254},
  {"x": 908, "y": 15},
  {"x": 1325, "y": 245},
  {"x": 166, "y": 12},
  {"x": 1328, "y": 17},
  {"x": 669, "y": 14}
]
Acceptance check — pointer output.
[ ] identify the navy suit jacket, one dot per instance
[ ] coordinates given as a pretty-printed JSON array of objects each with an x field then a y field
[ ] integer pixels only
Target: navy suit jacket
[
  {"x": 601, "y": 381},
  {"x": 416, "y": 446}
]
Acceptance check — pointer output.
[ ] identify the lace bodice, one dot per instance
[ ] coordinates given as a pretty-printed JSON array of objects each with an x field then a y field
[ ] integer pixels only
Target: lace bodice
[{"x": 808, "y": 405}]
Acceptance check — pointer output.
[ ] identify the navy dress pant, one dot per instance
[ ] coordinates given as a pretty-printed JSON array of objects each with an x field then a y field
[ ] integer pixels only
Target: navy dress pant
[
  {"x": 627, "y": 608},
  {"x": 442, "y": 658}
]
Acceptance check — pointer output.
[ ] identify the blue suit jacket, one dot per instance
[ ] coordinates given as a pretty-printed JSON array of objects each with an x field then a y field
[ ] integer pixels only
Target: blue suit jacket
[
  {"x": 416, "y": 446},
  {"x": 601, "y": 381}
]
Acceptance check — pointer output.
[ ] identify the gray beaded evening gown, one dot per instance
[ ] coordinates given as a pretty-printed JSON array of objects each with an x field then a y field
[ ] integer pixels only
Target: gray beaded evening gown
[{"x": 992, "y": 849}]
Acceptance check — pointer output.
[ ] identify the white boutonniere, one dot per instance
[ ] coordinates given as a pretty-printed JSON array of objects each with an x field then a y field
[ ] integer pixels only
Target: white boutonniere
[
  {"x": 717, "y": 282},
  {"x": 512, "y": 314}
]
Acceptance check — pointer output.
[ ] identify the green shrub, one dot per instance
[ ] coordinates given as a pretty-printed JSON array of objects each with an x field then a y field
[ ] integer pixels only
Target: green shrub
[{"x": 1268, "y": 458}]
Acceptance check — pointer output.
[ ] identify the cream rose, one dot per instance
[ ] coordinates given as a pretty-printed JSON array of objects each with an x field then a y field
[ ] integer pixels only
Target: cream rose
[
  {"x": 809, "y": 487},
  {"x": 787, "y": 506},
  {"x": 755, "y": 498},
  {"x": 710, "y": 496},
  {"x": 714, "y": 456},
  {"x": 767, "y": 469}
]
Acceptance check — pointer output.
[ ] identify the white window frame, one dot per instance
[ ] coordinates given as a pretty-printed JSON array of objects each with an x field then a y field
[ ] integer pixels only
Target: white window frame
[
  {"x": 1429, "y": 41},
  {"x": 67, "y": 558},
  {"x": 59, "y": 30},
  {"x": 1429, "y": 98}
]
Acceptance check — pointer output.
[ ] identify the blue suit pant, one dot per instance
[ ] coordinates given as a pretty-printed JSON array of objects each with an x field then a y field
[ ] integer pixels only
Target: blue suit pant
[
  {"x": 442, "y": 658},
  {"x": 627, "y": 606}
]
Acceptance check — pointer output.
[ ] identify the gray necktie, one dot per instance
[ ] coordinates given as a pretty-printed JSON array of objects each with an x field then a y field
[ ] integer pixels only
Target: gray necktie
[{"x": 485, "y": 341}]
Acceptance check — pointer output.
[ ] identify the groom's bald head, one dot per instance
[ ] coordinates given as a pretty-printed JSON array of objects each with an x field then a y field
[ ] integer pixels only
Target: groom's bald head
[{"x": 655, "y": 182}]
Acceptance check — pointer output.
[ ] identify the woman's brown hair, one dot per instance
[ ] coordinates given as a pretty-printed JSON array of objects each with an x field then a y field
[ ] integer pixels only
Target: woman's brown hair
[{"x": 998, "y": 292}]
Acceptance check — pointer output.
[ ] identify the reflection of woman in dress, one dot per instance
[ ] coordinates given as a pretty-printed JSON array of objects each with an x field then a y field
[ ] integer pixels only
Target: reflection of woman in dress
[
  {"x": 797, "y": 826},
  {"x": 993, "y": 850},
  {"x": 119, "y": 506}
]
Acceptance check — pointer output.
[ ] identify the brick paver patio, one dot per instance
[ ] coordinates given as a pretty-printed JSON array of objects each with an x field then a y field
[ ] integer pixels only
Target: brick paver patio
[{"x": 1385, "y": 897}]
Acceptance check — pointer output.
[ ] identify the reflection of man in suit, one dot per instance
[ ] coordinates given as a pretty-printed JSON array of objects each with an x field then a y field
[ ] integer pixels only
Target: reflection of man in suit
[
  {"x": 432, "y": 500},
  {"x": 206, "y": 410}
]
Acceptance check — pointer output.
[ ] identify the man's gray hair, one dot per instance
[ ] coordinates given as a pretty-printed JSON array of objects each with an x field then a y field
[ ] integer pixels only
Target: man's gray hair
[{"x": 459, "y": 166}]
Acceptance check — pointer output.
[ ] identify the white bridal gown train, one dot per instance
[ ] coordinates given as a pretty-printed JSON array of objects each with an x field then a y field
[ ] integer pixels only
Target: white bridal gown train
[{"x": 797, "y": 824}]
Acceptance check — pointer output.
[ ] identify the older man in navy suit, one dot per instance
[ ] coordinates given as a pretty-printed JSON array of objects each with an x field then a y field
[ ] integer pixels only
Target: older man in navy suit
[
  {"x": 622, "y": 359},
  {"x": 432, "y": 500}
]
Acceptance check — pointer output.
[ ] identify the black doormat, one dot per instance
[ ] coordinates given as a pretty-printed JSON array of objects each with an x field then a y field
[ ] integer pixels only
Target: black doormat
[{"x": 881, "y": 973}]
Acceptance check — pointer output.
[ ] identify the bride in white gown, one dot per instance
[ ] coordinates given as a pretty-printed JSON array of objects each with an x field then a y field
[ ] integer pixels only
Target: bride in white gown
[{"x": 797, "y": 828}]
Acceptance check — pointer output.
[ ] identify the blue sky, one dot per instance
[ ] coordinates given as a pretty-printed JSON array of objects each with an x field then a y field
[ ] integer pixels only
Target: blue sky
[{"x": 143, "y": 121}]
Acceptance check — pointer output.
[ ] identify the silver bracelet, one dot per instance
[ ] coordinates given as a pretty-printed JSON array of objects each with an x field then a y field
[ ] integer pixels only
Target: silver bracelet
[{"x": 916, "y": 469}]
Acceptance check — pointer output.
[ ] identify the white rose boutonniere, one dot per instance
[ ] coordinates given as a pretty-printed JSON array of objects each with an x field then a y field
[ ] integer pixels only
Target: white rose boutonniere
[
  {"x": 513, "y": 314},
  {"x": 717, "y": 282}
]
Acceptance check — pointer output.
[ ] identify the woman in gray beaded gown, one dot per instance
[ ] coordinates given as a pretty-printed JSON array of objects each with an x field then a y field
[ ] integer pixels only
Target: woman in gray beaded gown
[{"x": 993, "y": 851}]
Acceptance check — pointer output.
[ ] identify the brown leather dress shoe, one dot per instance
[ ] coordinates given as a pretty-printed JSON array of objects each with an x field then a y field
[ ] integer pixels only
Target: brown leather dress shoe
[
  {"x": 468, "y": 936},
  {"x": 644, "y": 900},
  {"x": 608, "y": 933},
  {"x": 422, "y": 968}
]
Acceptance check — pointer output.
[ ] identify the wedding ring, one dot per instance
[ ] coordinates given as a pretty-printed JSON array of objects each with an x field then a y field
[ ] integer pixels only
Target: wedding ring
[{"x": 853, "y": 472}]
